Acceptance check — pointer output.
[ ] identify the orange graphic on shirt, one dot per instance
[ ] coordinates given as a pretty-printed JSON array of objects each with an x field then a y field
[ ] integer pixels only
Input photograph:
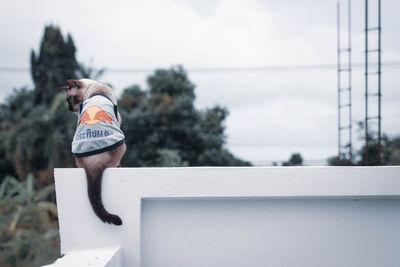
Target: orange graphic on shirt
[{"x": 94, "y": 115}]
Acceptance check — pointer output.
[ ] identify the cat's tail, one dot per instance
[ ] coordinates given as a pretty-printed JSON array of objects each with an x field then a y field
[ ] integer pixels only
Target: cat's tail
[{"x": 94, "y": 179}]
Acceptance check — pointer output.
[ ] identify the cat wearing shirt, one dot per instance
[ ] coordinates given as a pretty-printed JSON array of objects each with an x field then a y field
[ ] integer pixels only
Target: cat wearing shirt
[{"x": 98, "y": 142}]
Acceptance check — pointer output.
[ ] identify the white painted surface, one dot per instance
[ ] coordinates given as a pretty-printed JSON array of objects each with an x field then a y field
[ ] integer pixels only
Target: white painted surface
[
  {"x": 96, "y": 257},
  {"x": 271, "y": 232},
  {"x": 302, "y": 216}
]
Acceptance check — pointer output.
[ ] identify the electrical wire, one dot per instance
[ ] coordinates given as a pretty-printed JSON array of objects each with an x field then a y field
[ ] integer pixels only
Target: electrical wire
[{"x": 271, "y": 68}]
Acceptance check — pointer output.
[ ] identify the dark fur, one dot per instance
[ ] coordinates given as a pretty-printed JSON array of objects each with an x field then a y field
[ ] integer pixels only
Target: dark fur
[{"x": 94, "y": 180}]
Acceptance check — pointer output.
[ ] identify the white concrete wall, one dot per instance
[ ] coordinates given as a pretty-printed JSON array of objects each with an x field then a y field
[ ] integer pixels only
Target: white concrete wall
[
  {"x": 306, "y": 216},
  {"x": 95, "y": 257}
]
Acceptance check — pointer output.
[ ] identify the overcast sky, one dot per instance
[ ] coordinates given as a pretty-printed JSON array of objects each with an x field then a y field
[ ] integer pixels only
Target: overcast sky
[{"x": 273, "y": 113}]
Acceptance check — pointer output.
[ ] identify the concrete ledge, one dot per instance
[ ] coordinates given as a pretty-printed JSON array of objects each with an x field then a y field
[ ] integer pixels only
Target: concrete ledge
[
  {"x": 316, "y": 215},
  {"x": 98, "y": 257}
]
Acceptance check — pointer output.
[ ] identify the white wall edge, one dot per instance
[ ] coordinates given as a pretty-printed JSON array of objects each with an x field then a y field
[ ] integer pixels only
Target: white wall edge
[
  {"x": 99, "y": 257},
  {"x": 125, "y": 188}
]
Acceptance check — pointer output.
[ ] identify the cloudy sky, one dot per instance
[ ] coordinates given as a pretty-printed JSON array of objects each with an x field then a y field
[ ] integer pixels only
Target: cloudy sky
[{"x": 241, "y": 54}]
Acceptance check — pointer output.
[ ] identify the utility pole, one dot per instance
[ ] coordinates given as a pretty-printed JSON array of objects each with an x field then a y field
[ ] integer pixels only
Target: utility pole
[
  {"x": 345, "y": 155},
  {"x": 376, "y": 95}
]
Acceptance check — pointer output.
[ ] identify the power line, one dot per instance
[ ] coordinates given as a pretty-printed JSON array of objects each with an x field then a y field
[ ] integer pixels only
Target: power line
[{"x": 271, "y": 68}]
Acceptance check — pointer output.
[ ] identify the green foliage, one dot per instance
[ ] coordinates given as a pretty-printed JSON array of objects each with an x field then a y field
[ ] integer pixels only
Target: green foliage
[
  {"x": 170, "y": 158},
  {"x": 28, "y": 229},
  {"x": 163, "y": 128},
  {"x": 334, "y": 160},
  {"x": 53, "y": 65},
  {"x": 35, "y": 137},
  {"x": 390, "y": 150},
  {"x": 36, "y": 128},
  {"x": 295, "y": 160},
  {"x": 219, "y": 157},
  {"x": 173, "y": 83}
]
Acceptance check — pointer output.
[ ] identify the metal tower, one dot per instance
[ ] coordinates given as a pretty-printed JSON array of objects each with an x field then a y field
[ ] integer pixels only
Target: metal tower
[
  {"x": 345, "y": 154},
  {"x": 374, "y": 119}
]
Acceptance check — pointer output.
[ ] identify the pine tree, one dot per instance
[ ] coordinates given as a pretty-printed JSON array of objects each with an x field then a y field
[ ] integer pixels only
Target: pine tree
[
  {"x": 53, "y": 65},
  {"x": 35, "y": 129}
]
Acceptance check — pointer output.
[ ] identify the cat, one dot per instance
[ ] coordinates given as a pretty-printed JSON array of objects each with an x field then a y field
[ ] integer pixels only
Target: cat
[{"x": 98, "y": 142}]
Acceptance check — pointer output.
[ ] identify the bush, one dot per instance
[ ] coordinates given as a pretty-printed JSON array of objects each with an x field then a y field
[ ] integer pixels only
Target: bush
[{"x": 28, "y": 224}]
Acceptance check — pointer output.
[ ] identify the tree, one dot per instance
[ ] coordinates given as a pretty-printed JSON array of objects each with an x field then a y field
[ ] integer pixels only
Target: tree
[
  {"x": 35, "y": 128},
  {"x": 295, "y": 160},
  {"x": 163, "y": 128},
  {"x": 36, "y": 137},
  {"x": 53, "y": 65},
  {"x": 390, "y": 150},
  {"x": 344, "y": 161},
  {"x": 28, "y": 233}
]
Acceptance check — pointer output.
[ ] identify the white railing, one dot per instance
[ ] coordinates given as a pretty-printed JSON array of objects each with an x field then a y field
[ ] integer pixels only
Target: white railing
[{"x": 278, "y": 216}]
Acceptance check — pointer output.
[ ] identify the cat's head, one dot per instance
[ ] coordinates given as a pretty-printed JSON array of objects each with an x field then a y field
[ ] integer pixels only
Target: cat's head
[{"x": 75, "y": 91}]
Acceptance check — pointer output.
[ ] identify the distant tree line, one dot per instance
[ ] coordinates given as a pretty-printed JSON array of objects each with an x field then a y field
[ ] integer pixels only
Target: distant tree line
[{"x": 390, "y": 153}]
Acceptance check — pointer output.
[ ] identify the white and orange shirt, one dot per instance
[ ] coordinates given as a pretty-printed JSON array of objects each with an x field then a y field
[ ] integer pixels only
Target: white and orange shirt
[{"x": 98, "y": 129}]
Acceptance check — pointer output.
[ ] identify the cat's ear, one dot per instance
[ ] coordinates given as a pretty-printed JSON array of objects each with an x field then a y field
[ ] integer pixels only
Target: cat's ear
[
  {"x": 65, "y": 88},
  {"x": 74, "y": 83}
]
